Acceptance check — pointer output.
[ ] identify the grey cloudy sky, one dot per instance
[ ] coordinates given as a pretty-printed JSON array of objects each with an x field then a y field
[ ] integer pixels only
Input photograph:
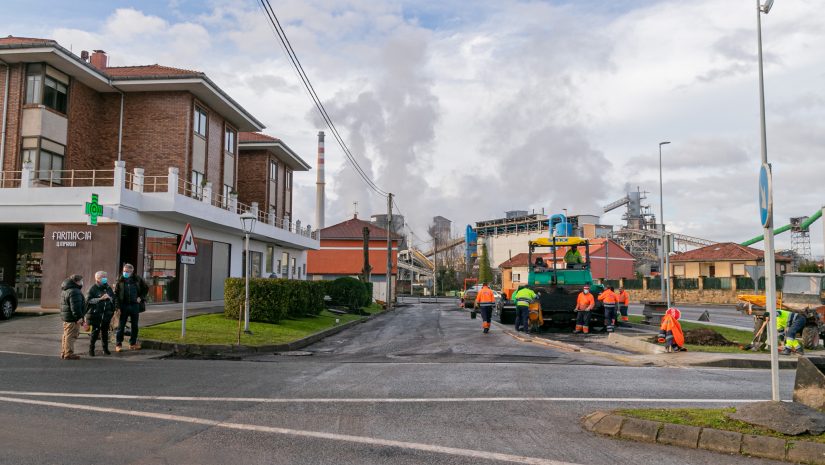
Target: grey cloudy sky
[{"x": 468, "y": 109}]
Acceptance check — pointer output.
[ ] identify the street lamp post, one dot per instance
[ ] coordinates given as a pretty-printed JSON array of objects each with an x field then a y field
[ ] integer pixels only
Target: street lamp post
[
  {"x": 770, "y": 258},
  {"x": 663, "y": 282},
  {"x": 248, "y": 223}
]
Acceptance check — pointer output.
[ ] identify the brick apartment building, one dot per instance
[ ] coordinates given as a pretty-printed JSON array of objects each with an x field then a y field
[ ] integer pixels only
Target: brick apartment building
[
  {"x": 161, "y": 147},
  {"x": 342, "y": 254}
]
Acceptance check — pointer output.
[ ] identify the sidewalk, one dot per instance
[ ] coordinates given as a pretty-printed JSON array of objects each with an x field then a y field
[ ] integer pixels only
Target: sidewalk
[{"x": 29, "y": 334}]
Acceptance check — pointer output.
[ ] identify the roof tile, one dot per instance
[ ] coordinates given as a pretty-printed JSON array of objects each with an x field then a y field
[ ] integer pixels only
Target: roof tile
[
  {"x": 148, "y": 71},
  {"x": 256, "y": 137},
  {"x": 723, "y": 251},
  {"x": 353, "y": 229}
]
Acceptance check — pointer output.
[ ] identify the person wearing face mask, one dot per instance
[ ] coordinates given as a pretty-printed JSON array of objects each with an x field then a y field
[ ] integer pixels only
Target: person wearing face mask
[
  {"x": 131, "y": 292},
  {"x": 71, "y": 312},
  {"x": 101, "y": 303},
  {"x": 584, "y": 304}
]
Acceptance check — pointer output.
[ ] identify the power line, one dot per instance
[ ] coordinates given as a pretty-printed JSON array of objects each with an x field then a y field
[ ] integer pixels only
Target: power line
[{"x": 296, "y": 63}]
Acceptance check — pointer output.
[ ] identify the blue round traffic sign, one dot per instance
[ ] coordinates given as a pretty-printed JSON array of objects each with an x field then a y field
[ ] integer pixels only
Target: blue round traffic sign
[{"x": 765, "y": 196}]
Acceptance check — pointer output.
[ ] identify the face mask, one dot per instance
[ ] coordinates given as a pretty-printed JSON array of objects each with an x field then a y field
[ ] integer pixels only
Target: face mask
[
  {"x": 125, "y": 274},
  {"x": 587, "y": 291},
  {"x": 104, "y": 280},
  {"x": 80, "y": 284}
]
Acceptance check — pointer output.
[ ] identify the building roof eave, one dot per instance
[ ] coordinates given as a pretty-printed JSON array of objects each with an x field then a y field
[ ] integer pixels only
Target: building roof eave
[{"x": 287, "y": 155}]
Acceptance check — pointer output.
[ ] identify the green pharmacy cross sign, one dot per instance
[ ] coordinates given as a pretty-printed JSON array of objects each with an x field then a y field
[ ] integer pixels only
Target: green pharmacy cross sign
[{"x": 94, "y": 210}]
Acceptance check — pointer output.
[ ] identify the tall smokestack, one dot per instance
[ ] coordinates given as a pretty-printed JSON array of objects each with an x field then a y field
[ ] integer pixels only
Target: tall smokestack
[{"x": 320, "y": 184}]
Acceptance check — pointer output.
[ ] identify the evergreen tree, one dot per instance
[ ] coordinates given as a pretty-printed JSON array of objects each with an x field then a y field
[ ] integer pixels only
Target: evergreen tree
[{"x": 485, "y": 273}]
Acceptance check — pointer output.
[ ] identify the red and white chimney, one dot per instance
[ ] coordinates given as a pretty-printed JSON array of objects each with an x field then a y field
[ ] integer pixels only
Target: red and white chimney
[
  {"x": 99, "y": 60},
  {"x": 320, "y": 184}
]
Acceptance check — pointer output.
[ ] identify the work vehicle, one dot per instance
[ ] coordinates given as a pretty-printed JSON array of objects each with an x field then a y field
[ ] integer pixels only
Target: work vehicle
[
  {"x": 802, "y": 293},
  {"x": 558, "y": 284},
  {"x": 8, "y": 301}
]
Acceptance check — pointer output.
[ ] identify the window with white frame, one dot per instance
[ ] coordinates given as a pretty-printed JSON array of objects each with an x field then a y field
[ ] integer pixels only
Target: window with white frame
[{"x": 738, "y": 269}]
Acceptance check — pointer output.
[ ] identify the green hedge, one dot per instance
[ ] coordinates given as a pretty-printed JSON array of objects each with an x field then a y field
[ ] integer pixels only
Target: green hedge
[
  {"x": 349, "y": 292},
  {"x": 271, "y": 300}
]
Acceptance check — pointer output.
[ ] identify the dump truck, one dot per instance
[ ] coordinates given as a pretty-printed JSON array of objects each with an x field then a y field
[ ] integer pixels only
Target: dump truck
[
  {"x": 802, "y": 293},
  {"x": 557, "y": 284}
]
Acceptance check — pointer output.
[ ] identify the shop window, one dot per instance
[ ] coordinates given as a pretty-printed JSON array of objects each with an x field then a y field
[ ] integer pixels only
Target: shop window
[
  {"x": 160, "y": 266},
  {"x": 200, "y": 122},
  {"x": 270, "y": 259}
]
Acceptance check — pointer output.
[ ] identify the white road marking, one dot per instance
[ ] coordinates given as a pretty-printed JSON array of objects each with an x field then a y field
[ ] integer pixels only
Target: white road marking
[
  {"x": 321, "y": 400},
  {"x": 474, "y": 454}
]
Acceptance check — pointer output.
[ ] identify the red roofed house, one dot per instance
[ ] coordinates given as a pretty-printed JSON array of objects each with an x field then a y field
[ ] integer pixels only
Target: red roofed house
[
  {"x": 607, "y": 260},
  {"x": 342, "y": 254},
  {"x": 722, "y": 260}
]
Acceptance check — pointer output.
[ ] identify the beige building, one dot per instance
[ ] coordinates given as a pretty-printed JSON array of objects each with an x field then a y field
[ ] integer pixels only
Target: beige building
[{"x": 723, "y": 260}]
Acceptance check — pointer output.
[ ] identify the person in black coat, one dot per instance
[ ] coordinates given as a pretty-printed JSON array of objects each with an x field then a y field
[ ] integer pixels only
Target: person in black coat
[
  {"x": 131, "y": 292},
  {"x": 72, "y": 308},
  {"x": 100, "y": 302}
]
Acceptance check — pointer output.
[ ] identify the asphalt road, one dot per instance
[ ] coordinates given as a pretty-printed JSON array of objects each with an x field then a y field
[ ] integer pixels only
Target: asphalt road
[{"x": 421, "y": 384}]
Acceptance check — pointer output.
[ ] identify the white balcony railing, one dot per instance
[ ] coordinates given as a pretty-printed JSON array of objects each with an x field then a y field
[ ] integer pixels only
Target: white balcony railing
[{"x": 138, "y": 182}]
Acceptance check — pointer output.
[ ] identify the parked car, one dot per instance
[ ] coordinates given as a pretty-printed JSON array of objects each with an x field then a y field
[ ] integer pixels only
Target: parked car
[
  {"x": 8, "y": 301},
  {"x": 470, "y": 294}
]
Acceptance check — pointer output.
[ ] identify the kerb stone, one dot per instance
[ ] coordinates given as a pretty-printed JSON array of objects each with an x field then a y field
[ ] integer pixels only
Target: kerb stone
[
  {"x": 720, "y": 441},
  {"x": 679, "y": 435},
  {"x": 806, "y": 452},
  {"x": 640, "y": 430},
  {"x": 609, "y": 425},
  {"x": 763, "y": 446}
]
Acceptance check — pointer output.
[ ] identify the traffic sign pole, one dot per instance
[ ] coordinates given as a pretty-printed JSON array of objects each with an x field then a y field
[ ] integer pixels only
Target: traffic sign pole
[
  {"x": 766, "y": 217},
  {"x": 185, "y": 298},
  {"x": 187, "y": 250}
]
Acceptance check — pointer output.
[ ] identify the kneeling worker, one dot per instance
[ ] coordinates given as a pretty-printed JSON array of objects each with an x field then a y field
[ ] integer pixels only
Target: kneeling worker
[
  {"x": 523, "y": 297},
  {"x": 584, "y": 304},
  {"x": 485, "y": 301}
]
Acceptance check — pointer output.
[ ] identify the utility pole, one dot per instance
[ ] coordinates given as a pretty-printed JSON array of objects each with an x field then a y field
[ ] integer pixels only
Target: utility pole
[
  {"x": 389, "y": 251},
  {"x": 365, "y": 272}
]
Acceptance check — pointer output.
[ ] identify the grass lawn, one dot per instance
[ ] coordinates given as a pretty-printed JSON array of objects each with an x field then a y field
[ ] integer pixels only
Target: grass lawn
[
  {"x": 739, "y": 336},
  {"x": 216, "y": 329},
  {"x": 710, "y": 418}
]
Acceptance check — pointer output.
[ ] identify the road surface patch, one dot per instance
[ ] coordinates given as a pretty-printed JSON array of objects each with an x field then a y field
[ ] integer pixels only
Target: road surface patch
[{"x": 444, "y": 450}]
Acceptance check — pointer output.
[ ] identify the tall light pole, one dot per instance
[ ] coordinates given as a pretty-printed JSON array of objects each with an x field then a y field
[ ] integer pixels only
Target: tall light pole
[
  {"x": 662, "y": 250},
  {"x": 248, "y": 223},
  {"x": 766, "y": 201}
]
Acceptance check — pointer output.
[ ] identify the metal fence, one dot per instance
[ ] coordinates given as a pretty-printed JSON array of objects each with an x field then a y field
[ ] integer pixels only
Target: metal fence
[
  {"x": 716, "y": 283},
  {"x": 685, "y": 283},
  {"x": 634, "y": 284},
  {"x": 743, "y": 283}
]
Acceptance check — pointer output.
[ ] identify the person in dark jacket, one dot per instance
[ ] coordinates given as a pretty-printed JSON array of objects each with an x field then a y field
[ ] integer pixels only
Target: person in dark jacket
[
  {"x": 71, "y": 312},
  {"x": 101, "y": 303},
  {"x": 131, "y": 292}
]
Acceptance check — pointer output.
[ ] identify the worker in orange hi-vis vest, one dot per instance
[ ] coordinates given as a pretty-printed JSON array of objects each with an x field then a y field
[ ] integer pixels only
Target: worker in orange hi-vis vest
[
  {"x": 624, "y": 303},
  {"x": 584, "y": 304},
  {"x": 608, "y": 297},
  {"x": 485, "y": 299}
]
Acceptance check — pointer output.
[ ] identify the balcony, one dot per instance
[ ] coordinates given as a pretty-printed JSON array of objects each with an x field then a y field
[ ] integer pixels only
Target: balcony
[{"x": 125, "y": 194}]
